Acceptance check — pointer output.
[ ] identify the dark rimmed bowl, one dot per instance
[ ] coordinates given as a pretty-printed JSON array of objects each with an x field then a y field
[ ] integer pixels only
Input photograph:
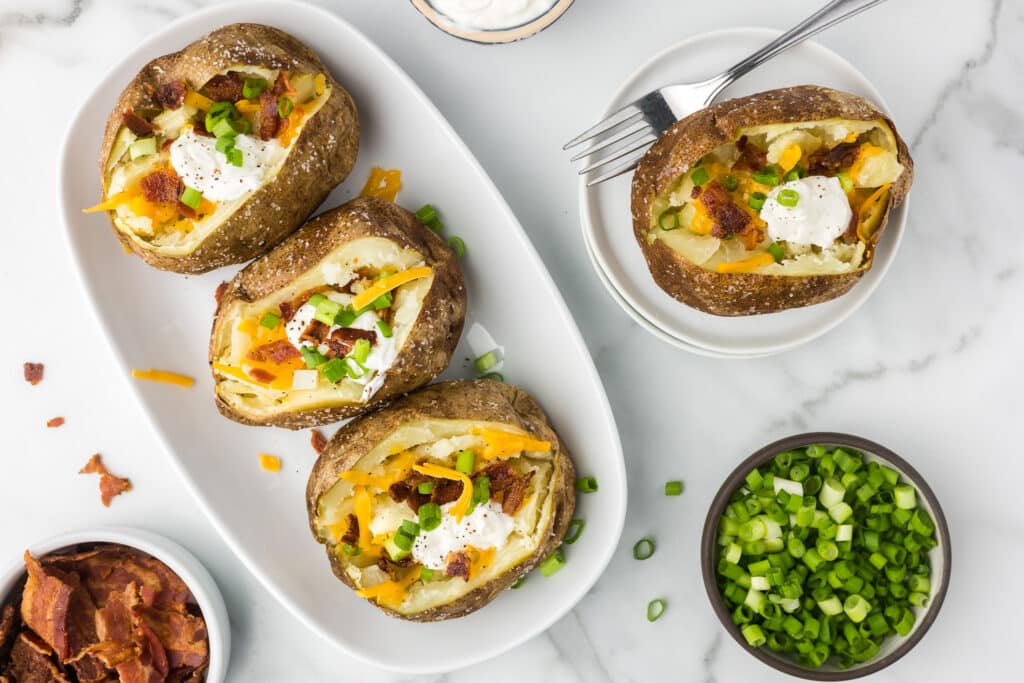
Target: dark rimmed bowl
[{"x": 893, "y": 647}]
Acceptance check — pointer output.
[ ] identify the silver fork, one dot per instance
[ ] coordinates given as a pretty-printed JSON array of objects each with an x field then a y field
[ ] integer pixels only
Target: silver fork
[{"x": 634, "y": 127}]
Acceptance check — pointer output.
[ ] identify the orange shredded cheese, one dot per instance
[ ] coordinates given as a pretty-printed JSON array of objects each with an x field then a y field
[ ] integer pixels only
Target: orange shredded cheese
[
  {"x": 390, "y": 593},
  {"x": 247, "y": 107},
  {"x": 440, "y": 472},
  {"x": 480, "y": 559},
  {"x": 398, "y": 467},
  {"x": 319, "y": 84},
  {"x": 501, "y": 444},
  {"x": 746, "y": 265},
  {"x": 270, "y": 463},
  {"x": 383, "y": 184},
  {"x": 194, "y": 99},
  {"x": 363, "y": 509},
  {"x": 126, "y": 248},
  {"x": 163, "y": 376},
  {"x": 385, "y": 285},
  {"x": 852, "y": 137},
  {"x": 865, "y": 153},
  {"x": 701, "y": 223},
  {"x": 790, "y": 156},
  {"x": 868, "y": 207}
]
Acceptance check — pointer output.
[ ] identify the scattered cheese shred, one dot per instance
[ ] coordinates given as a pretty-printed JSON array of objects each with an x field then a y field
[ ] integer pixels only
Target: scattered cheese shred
[
  {"x": 110, "y": 203},
  {"x": 194, "y": 99},
  {"x": 501, "y": 444},
  {"x": 319, "y": 84},
  {"x": 868, "y": 213},
  {"x": 746, "y": 265},
  {"x": 385, "y": 285},
  {"x": 864, "y": 153},
  {"x": 396, "y": 471},
  {"x": 790, "y": 156},
  {"x": 440, "y": 472},
  {"x": 163, "y": 376},
  {"x": 363, "y": 508},
  {"x": 383, "y": 184},
  {"x": 480, "y": 559},
  {"x": 390, "y": 593},
  {"x": 270, "y": 463}
]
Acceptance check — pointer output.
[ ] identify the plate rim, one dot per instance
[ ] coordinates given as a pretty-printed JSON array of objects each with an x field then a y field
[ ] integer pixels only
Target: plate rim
[
  {"x": 897, "y": 226},
  {"x": 232, "y": 12}
]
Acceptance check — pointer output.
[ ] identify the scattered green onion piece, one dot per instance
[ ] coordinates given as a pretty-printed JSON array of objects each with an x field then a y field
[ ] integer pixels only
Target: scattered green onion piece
[
  {"x": 427, "y": 213},
  {"x": 753, "y": 634},
  {"x": 270, "y": 320},
  {"x": 496, "y": 376},
  {"x": 769, "y": 175},
  {"x": 572, "y": 533},
  {"x": 553, "y": 563},
  {"x": 383, "y": 301},
  {"x": 757, "y": 200},
  {"x": 403, "y": 541},
  {"x": 346, "y": 316},
  {"x": 457, "y": 246},
  {"x": 385, "y": 329},
  {"x": 730, "y": 183},
  {"x": 788, "y": 197},
  {"x": 700, "y": 176},
  {"x": 316, "y": 299},
  {"x": 350, "y": 550},
  {"x": 845, "y": 182},
  {"x": 777, "y": 251},
  {"x": 669, "y": 219},
  {"x": 313, "y": 358},
  {"x": 426, "y": 488},
  {"x": 673, "y": 488},
  {"x": 326, "y": 311},
  {"x": 224, "y": 128},
  {"x": 485, "y": 362},
  {"x": 430, "y": 516},
  {"x": 655, "y": 608},
  {"x": 217, "y": 112},
  {"x": 225, "y": 143},
  {"x": 586, "y": 485},
  {"x": 234, "y": 156},
  {"x": 643, "y": 549},
  {"x": 426, "y": 573},
  {"x": 284, "y": 107},
  {"x": 334, "y": 370},
  {"x": 360, "y": 350},
  {"x": 905, "y": 497},
  {"x": 465, "y": 461},
  {"x": 253, "y": 88},
  {"x": 796, "y": 173}
]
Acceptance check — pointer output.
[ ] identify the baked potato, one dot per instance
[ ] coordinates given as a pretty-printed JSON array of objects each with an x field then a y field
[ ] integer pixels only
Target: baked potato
[
  {"x": 361, "y": 304},
  {"x": 214, "y": 154},
  {"x": 769, "y": 202},
  {"x": 432, "y": 506}
]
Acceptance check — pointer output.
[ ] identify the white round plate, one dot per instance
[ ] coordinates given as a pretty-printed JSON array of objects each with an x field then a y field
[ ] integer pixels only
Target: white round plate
[{"x": 605, "y": 208}]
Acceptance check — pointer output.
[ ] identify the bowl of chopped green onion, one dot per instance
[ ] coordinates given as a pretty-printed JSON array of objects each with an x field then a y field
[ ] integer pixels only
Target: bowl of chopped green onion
[{"x": 826, "y": 556}]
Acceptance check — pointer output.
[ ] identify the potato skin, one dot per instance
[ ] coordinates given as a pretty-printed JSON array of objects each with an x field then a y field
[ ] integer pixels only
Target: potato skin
[
  {"x": 432, "y": 340},
  {"x": 698, "y": 134},
  {"x": 483, "y": 400},
  {"x": 320, "y": 158}
]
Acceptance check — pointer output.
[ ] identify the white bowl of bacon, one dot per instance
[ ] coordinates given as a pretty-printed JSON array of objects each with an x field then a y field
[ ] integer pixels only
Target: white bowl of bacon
[{"x": 112, "y": 604}]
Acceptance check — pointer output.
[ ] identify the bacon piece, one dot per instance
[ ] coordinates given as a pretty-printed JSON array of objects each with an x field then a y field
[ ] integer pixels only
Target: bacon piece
[
  {"x": 171, "y": 95},
  {"x": 137, "y": 124},
  {"x": 281, "y": 85},
  {"x": 261, "y": 375},
  {"x": 33, "y": 373},
  {"x": 116, "y": 622},
  {"x": 516, "y": 494},
  {"x": 315, "y": 332},
  {"x": 110, "y": 485},
  {"x": 457, "y": 565},
  {"x": 269, "y": 120},
  {"x": 695, "y": 192},
  {"x": 728, "y": 217},
  {"x": 219, "y": 294},
  {"x": 287, "y": 310},
  {"x": 351, "y": 535},
  {"x": 828, "y": 162},
  {"x": 276, "y": 352},
  {"x": 317, "y": 440},
  {"x": 343, "y": 340},
  {"x": 55, "y": 422},
  {"x": 187, "y": 675},
  {"x": 224, "y": 87},
  {"x": 45, "y": 603},
  {"x": 181, "y": 636},
  {"x": 407, "y": 491},
  {"x": 163, "y": 185},
  {"x": 446, "y": 491},
  {"x": 501, "y": 476},
  {"x": 751, "y": 157},
  {"x": 110, "y": 569},
  {"x": 31, "y": 662},
  {"x": 7, "y": 624}
]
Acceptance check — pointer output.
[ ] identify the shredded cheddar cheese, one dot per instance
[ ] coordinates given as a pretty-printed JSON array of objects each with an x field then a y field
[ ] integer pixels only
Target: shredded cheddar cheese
[
  {"x": 868, "y": 210},
  {"x": 194, "y": 99},
  {"x": 865, "y": 153},
  {"x": 501, "y": 444},
  {"x": 390, "y": 593},
  {"x": 163, "y": 376},
  {"x": 465, "y": 498},
  {"x": 319, "y": 84},
  {"x": 702, "y": 223},
  {"x": 790, "y": 156},
  {"x": 247, "y": 107},
  {"x": 747, "y": 265},
  {"x": 396, "y": 472},
  {"x": 383, "y": 184},
  {"x": 270, "y": 463},
  {"x": 126, "y": 248},
  {"x": 363, "y": 509},
  {"x": 367, "y": 296},
  {"x": 480, "y": 559}
]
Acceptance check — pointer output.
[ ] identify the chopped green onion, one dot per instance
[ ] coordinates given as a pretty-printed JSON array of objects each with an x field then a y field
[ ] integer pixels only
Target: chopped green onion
[
  {"x": 700, "y": 176},
  {"x": 234, "y": 156},
  {"x": 643, "y": 549},
  {"x": 669, "y": 219},
  {"x": 673, "y": 488},
  {"x": 313, "y": 358},
  {"x": 427, "y": 214},
  {"x": 795, "y": 174},
  {"x": 316, "y": 299},
  {"x": 553, "y": 563},
  {"x": 385, "y": 329},
  {"x": 334, "y": 370},
  {"x": 757, "y": 200},
  {"x": 219, "y": 111},
  {"x": 350, "y": 550},
  {"x": 326, "y": 311},
  {"x": 496, "y": 376},
  {"x": 572, "y": 533},
  {"x": 191, "y": 197},
  {"x": 788, "y": 197},
  {"x": 225, "y": 143},
  {"x": 346, "y": 316},
  {"x": 284, "y": 107},
  {"x": 730, "y": 183},
  {"x": 655, "y": 608},
  {"x": 143, "y": 147},
  {"x": 586, "y": 485},
  {"x": 519, "y": 582},
  {"x": 430, "y": 516},
  {"x": 753, "y": 634},
  {"x": 403, "y": 540},
  {"x": 253, "y": 88},
  {"x": 465, "y": 461},
  {"x": 426, "y": 488},
  {"x": 777, "y": 251},
  {"x": 845, "y": 182},
  {"x": 270, "y": 320},
  {"x": 426, "y": 573},
  {"x": 360, "y": 350},
  {"x": 769, "y": 175},
  {"x": 224, "y": 128},
  {"x": 457, "y": 246},
  {"x": 905, "y": 497},
  {"x": 383, "y": 301},
  {"x": 485, "y": 362}
]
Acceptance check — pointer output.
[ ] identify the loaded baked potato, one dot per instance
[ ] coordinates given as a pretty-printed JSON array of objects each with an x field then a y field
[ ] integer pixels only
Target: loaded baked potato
[
  {"x": 432, "y": 506},
  {"x": 361, "y": 304},
  {"x": 769, "y": 202},
  {"x": 216, "y": 153}
]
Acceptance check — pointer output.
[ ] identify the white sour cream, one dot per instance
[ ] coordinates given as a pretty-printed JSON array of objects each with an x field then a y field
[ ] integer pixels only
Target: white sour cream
[
  {"x": 490, "y": 15},
  {"x": 822, "y": 212},
  {"x": 486, "y": 527},
  {"x": 195, "y": 158}
]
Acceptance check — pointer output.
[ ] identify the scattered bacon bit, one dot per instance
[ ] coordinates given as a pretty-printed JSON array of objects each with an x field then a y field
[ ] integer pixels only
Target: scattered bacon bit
[
  {"x": 45, "y": 603},
  {"x": 55, "y": 422},
  {"x": 287, "y": 310},
  {"x": 30, "y": 661},
  {"x": 516, "y": 494},
  {"x": 446, "y": 491},
  {"x": 110, "y": 485},
  {"x": 315, "y": 332},
  {"x": 33, "y": 373},
  {"x": 458, "y": 565},
  {"x": 269, "y": 120},
  {"x": 500, "y": 475},
  {"x": 841, "y": 156},
  {"x": 224, "y": 87},
  {"x": 162, "y": 185},
  {"x": 318, "y": 440},
  {"x": 171, "y": 95},
  {"x": 351, "y": 535},
  {"x": 181, "y": 635},
  {"x": 261, "y": 375},
  {"x": 343, "y": 340},
  {"x": 728, "y": 217},
  {"x": 219, "y": 294},
  {"x": 407, "y": 491},
  {"x": 137, "y": 124},
  {"x": 276, "y": 352},
  {"x": 282, "y": 85},
  {"x": 751, "y": 157},
  {"x": 695, "y": 192}
]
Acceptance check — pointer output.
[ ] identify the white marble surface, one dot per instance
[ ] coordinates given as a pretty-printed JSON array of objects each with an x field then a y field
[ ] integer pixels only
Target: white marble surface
[{"x": 931, "y": 366}]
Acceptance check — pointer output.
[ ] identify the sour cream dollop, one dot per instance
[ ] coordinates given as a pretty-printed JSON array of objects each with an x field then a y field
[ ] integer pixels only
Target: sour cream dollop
[
  {"x": 489, "y": 15},
  {"x": 486, "y": 527},
  {"x": 195, "y": 158},
  {"x": 821, "y": 214}
]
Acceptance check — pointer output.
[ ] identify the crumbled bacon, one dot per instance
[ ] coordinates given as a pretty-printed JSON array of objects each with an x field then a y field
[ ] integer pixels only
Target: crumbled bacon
[
  {"x": 288, "y": 310},
  {"x": 7, "y": 625},
  {"x": 351, "y": 535},
  {"x": 171, "y": 95},
  {"x": 828, "y": 162},
  {"x": 110, "y": 486},
  {"x": 500, "y": 475},
  {"x": 752, "y": 157},
  {"x": 162, "y": 185},
  {"x": 33, "y": 373},
  {"x": 261, "y": 375},
  {"x": 281, "y": 85},
  {"x": 276, "y": 352},
  {"x": 55, "y": 422},
  {"x": 45, "y": 604},
  {"x": 318, "y": 440},
  {"x": 446, "y": 491},
  {"x": 219, "y": 294},
  {"x": 315, "y": 332},
  {"x": 269, "y": 120},
  {"x": 137, "y": 124},
  {"x": 343, "y": 340},
  {"x": 181, "y": 636},
  {"x": 30, "y": 661},
  {"x": 516, "y": 494},
  {"x": 457, "y": 565},
  {"x": 728, "y": 217},
  {"x": 225, "y": 87},
  {"x": 408, "y": 491}
]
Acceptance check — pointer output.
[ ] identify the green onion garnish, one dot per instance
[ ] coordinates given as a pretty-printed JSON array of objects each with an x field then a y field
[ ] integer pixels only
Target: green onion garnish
[
  {"x": 795, "y": 174},
  {"x": 383, "y": 301},
  {"x": 586, "y": 485},
  {"x": 426, "y": 573},
  {"x": 224, "y": 128},
  {"x": 385, "y": 329},
  {"x": 410, "y": 528},
  {"x": 346, "y": 316},
  {"x": 669, "y": 219},
  {"x": 553, "y": 563},
  {"x": 270, "y": 320},
  {"x": 700, "y": 176},
  {"x": 844, "y": 181},
  {"x": 481, "y": 493},
  {"x": 326, "y": 310},
  {"x": 350, "y": 550},
  {"x": 465, "y": 461},
  {"x": 360, "y": 350},
  {"x": 519, "y": 582},
  {"x": 403, "y": 540},
  {"x": 673, "y": 488},
  {"x": 485, "y": 362},
  {"x": 730, "y": 182},
  {"x": 769, "y": 175},
  {"x": 572, "y": 533},
  {"x": 142, "y": 147},
  {"x": 756, "y": 200},
  {"x": 217, "y": 112},
  {"x": 191, "y": 197},
  {"x": 426, "y": 488},
  {"x": 234, "y": 156},
  {"x": 655, "y": 608},
  {"x": 430, "y": 516},
  {"x": 284, "y": 107},
  {"x": 253, "y": 88},
  {"x": 777, "y": 252},
  {"x": 334, "y": 370},
  {"x": 427, "y": 214},
  {"x": 643, "y": 549},
  {"x": 496, "y": 376},
  {"x": 788, "y": 197},
  {"x": 313, "y": 358},
  {"x": 457, "y": 246},
  {"x": 316, "y": 300},
  {"x": 225, "y": 143}
]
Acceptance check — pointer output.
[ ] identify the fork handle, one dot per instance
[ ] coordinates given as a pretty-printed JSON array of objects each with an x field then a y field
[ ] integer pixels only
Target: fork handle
[{"x": 829, "y": 15}]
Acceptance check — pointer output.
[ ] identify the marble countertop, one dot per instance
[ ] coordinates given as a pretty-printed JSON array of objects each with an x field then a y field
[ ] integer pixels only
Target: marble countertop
[{"x": 930, "y": 366}]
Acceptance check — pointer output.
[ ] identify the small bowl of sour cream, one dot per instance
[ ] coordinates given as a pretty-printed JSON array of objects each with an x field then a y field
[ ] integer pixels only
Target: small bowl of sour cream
[{"x": 492, "y": 21}]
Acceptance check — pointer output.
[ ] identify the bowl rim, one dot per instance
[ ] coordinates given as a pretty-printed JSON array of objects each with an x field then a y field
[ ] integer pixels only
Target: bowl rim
[
  {"x": 493, "y": 36},
  {"x": 717, "y": 508},
  {"x": 181, "y": 561}
]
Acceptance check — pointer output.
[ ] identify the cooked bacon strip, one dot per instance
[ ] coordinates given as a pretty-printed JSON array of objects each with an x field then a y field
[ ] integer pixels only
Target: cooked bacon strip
[
  {"x": 171, "y": 95},
  {"x": 224, "y": 87},
  {"x": 276, "y": 352},
  {"x": 137, "y": 124},
  {"x": 55, "y": 422},
  {"x": 516, "y": 494},
  {"x": 828, "y": 162},
  {"x": 752, "y": 157},
  {"x": 343, "y": 340},
  {"x": 351, "y": 535},
  {"x": 187, "y": 675},
  {"x": 7, "y": 625},
  {"x": 30, "y": 661},
  {"x": 407, "y": 491},
  {"x": 110, "y": 485},
  {"x": 318, "y": 440},
  {"x": 116, "y": 622},
  {"x": 269, "y": 120},
  {"x": 281, "y": 85},
  {"x": 729, "y": 218},
  {"x": 458, "y": 565},
  {"x": 181, "y": 636},
  {"x": 33, "y": 373},
  {"x": 162, "y": 185},
  {"x": 446, "y": 491},
  {"x": 501, "y": 476},
  {"x": 287, "y": 310},
  {"x": 219, "y": 294},
  {"x": 261, "y": 375},
  {"x": 45, "y": 603},
  {"x": 315, "y": 332}
]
